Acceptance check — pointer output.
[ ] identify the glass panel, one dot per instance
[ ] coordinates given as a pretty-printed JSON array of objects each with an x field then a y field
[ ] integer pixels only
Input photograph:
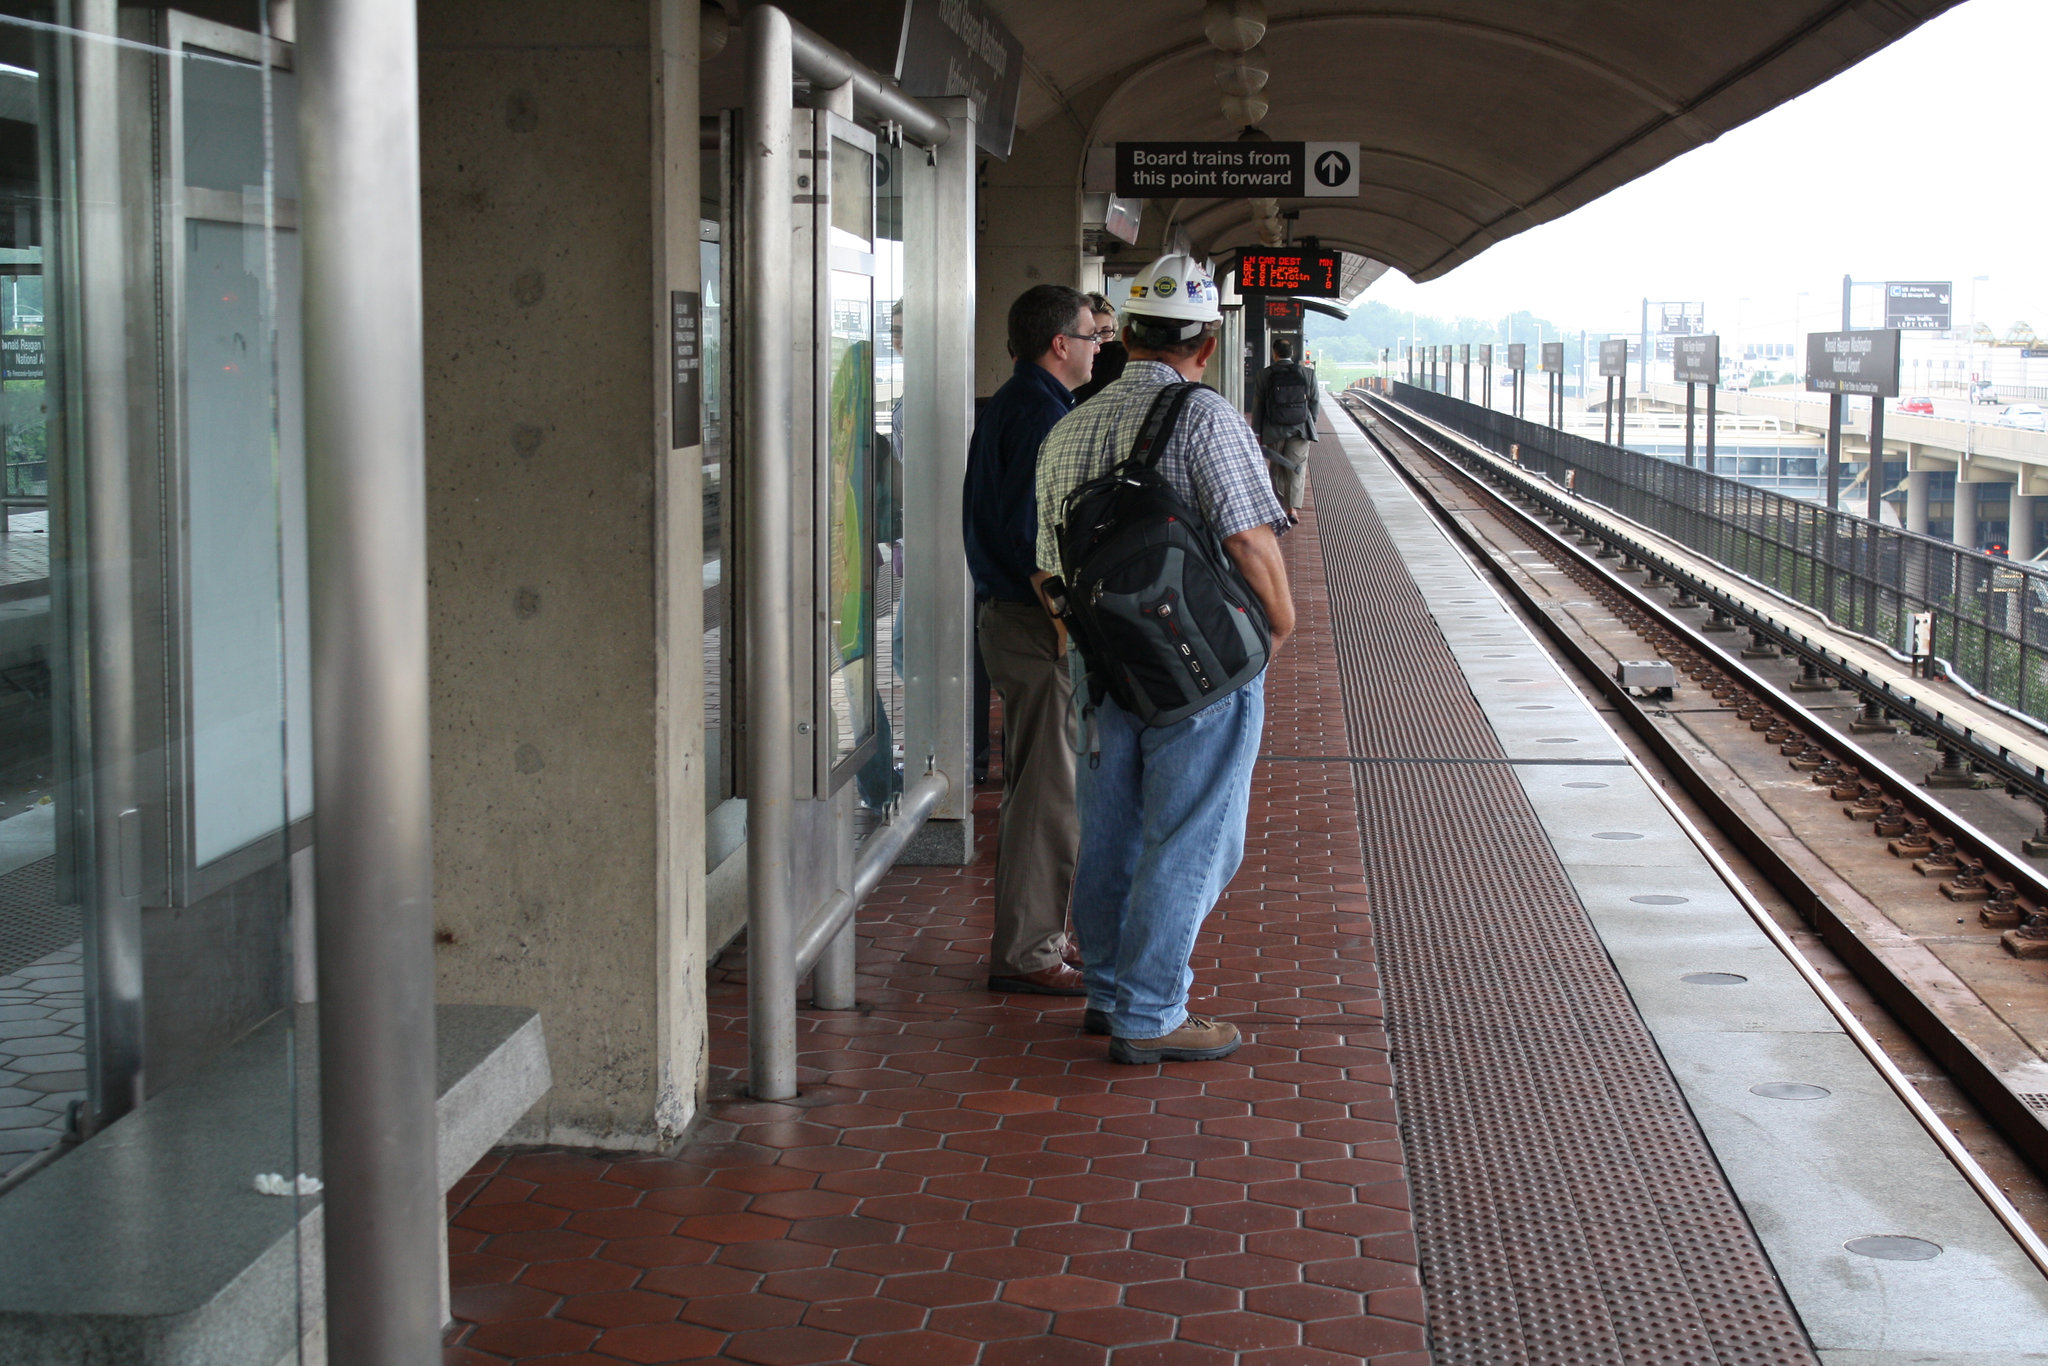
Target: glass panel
[
  {"x": 154, "y": 745},
  {"x": 717, "y": 584},
  {"x": 882, "y": 775},
  {"x": 850, "y": 488}
]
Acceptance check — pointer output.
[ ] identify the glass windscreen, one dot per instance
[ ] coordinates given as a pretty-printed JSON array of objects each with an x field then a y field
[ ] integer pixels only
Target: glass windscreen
[
  {"x": 155, "y": 758},
  {"x": 854, "y": 543}
]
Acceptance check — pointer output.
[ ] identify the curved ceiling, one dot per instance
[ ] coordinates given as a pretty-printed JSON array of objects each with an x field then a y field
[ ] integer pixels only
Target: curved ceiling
[{"x": 1476, "y": 119}]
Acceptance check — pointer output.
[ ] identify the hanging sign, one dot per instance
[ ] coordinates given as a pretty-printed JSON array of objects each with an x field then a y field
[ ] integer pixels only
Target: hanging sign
[
  {"x": 1919, "y": 305},
  {"x": 1237, "y": 170},
  {"x": 1290, "y": 271},
  {"x": 1853, "y": 363},
  {"x": 960, "y": 47}
]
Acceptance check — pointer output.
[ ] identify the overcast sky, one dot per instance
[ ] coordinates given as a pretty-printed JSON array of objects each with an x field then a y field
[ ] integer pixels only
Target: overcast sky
[{"x": 1957, "y": 186}]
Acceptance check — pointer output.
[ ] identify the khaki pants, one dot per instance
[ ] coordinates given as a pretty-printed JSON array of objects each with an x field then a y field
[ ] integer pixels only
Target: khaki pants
[
  {"x": 1038, "y": 834},
  {"x": 1289, "y": 486}
]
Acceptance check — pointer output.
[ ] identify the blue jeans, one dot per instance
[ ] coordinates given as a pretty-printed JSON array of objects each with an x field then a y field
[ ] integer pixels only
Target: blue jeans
[{"x": 1162, "y": 833}]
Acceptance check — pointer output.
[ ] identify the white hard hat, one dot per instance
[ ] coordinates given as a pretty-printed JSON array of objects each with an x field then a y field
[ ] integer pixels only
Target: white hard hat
[{"x": 1175, "y": 289}]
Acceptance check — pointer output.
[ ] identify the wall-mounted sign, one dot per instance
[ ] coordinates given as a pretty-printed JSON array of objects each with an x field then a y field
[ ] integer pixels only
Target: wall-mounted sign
[
  {"x": 1696, "y": 360},
  {"x": 960, "y": 47},
  {"x": 1853, "y": 363},
  {"x": 21, "y": 356},
  {"x": 1552, "y": 361},
  {"x": 1237, "y": 170},
  {"x": 1518, "y": 356},
  {"x": 1290, "y": 271},
  {"x": 1919, "y": 305},
  {"x": 1614, "y": 357},
  {"x": 686, "y": 407}
]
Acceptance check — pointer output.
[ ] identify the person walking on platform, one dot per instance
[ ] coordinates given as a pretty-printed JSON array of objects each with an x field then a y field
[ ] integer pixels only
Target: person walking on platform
[
  {"x": 1284, "y": 415},
  {"x": 1163, "y": 806},
  {"x": 1053, "y": 341},
  {"x": 1109, "y": 357}
]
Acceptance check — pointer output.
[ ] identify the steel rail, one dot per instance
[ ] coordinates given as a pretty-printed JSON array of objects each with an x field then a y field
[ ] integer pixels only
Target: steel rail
[
  {"x": 1774, "y": 865},
  {"x": 878, "y": 854}
]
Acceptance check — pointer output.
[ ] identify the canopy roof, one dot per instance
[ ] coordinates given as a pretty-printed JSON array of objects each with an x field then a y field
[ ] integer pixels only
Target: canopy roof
[{"x": 1476, "y": 119}]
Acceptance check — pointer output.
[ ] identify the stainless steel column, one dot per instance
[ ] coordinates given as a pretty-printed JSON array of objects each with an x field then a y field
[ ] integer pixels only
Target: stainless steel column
[
  {"x": 366, "y": 504},
  {"x": 766, "y": 337},
  {"x": 113, "y": 948}
]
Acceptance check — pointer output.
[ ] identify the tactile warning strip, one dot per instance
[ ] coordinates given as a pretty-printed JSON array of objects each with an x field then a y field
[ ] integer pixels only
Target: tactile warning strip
[{"x": 1566, "y": 1205}]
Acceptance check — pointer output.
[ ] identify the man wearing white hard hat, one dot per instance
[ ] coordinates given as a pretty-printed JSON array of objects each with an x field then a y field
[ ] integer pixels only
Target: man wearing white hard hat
[{"x": 1163, "y": 807}]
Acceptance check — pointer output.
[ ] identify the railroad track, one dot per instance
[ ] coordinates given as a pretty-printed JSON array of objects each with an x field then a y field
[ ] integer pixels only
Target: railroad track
[{"x": 1652, "y": 589}]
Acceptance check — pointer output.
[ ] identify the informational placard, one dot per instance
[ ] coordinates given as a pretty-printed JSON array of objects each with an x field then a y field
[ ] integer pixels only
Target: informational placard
[
  {"x": 21, "y": 356},
  {"x": 1552, "y": 354},
  {"x": 1853, "y": 363},
  {"x": 960, "y": 47},
  {"x": 686, "y": 401},
  {"x": 1293, "y": 270},
  {"x": 1518, "y": 355},
  {"x": 1465, "y": 354},
  {"x": 1614, "y": 357},
  {"x": 1237, "y": 170},
  {"x": 1919, "y": 305},
  {"x": 1283, "y": 310},
  {"x": 1696, "y": 360},
  {"x": 1443, "y": 353}
]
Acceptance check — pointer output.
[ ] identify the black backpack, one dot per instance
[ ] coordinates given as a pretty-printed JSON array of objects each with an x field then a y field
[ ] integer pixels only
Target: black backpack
[
  {"x": 1163, "y": 619},
  {"x": 1289, "y": 400}
]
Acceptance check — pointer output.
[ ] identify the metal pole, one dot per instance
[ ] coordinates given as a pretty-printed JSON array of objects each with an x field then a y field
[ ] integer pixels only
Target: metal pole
[
  {"x": 1621, "y": 414},
  {"x": 113, "y": 949},
  {"x": 1874, "y": 494},
  {"x": 367, "y": 555},
  {"x": 1834, "y": 474},
  {"x": 1710, "y": 427},
  {"x": 1691, "y": 396},
  {"x": 1643, "y": 354},
  {"x": 765, "y": 465}
]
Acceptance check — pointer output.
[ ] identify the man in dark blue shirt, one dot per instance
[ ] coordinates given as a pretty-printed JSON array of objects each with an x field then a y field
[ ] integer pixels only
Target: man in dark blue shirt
[{"x": 1052, "y": 338}]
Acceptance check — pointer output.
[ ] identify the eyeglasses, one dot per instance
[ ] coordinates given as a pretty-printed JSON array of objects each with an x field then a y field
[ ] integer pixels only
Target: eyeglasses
[
  {"x": 1095, "y": 337},
  {"x": 1104, "y": 336}
]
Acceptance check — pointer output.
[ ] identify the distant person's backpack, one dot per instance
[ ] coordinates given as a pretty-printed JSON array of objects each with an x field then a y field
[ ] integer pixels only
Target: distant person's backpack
[
  {"x": 1163, "y": 619},
  {"x": 1289, "y": 400}
]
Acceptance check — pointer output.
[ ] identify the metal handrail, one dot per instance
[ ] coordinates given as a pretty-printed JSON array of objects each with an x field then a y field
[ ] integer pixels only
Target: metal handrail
[{"x": 1990, "y": 614}]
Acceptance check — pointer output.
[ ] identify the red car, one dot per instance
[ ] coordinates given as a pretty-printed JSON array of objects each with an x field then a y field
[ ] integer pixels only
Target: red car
[{"x": 1923, "y": 405}]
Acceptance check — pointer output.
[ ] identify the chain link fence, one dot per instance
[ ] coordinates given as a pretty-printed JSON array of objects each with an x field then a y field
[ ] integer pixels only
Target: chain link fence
[{"x": 1990, "y": 614}]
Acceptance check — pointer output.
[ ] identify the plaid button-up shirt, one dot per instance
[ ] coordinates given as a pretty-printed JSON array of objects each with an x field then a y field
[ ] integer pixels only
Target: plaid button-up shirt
[{"x": 1213, "y": 461}]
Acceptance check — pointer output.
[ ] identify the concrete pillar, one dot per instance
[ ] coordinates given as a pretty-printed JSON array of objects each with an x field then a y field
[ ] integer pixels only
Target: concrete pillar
[
  {"x": 559, "y": 162},
  {"x": 1916, "y": 501},
  {"x": 1964, "y": 530},
  {"x": 1030, "y": 234},
  {"x": 2019, "y": 540}
]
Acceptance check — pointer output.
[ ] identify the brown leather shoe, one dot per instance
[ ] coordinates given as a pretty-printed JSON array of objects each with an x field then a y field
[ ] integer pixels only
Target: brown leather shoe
[
  {"x": 1070, "y": 952},
  {"x": 1057, "y": 980},
  {"x": 1197, "y": 1040}
]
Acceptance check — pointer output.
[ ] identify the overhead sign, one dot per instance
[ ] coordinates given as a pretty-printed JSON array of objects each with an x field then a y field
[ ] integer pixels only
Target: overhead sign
[
  {"x": 1681, "y": 319},
  {"x": 1553, "y": 358},
  {"x": 1919, "y": 305},
  {"x": 1853, "y": 363},
  {"x": 1290, "y": 271},
  {"x": 1614, "y": 357},
  {"x": 1284, "y": 310},
  {"x": 960, "y": 47},
  {"x": 1696, "y": 360},
  {"x": 1518, "y": 356},
  {"x": 1237, "y": 170}
]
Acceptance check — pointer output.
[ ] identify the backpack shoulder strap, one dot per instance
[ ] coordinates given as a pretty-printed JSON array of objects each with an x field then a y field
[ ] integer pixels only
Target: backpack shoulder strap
[{"x": 1160, "y": 421}]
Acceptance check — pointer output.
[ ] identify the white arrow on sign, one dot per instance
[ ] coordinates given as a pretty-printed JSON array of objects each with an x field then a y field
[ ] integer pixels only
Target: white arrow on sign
[{"x": 1331, "y": 170}]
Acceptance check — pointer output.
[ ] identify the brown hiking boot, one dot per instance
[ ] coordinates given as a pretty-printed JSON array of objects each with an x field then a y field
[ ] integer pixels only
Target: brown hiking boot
[{"x": 1197, "y": 1040}]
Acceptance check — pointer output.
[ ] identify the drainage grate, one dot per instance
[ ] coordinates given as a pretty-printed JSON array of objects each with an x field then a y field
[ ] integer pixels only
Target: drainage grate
[
  {"x": 1586, "y": 1221},
  {"x": 31, "y": 922},
  {"x": 2037, "y": 1101}
]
